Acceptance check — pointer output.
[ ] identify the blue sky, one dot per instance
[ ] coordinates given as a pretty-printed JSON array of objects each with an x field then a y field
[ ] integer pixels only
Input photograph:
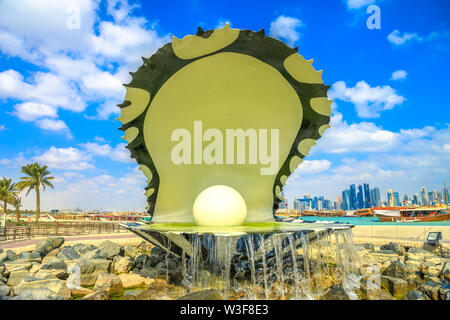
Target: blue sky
[{"x": 60, "y": 83}]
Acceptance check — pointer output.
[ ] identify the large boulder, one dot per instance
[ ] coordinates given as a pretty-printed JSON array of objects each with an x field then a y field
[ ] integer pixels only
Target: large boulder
[
  {"x": 444, "y": 292},
  {"x": 51, "y": 274},
  {"x": 430, "y": 268},
  {"x": 395, "y": 247},
  {"x": 30, "y": 256},
  {"x": 122, "y": 264},
  {"x": 68, "y": 253},
  {"x": 82, "y": 248},
  {"x": 208, "y": 294},
  {"x": 55, "y": 263},
  {"x": 416, "y": 295},
  {"x": 130, "y": 251},
  {"x": 97, "y": 295},
  {"x": 400, "y": 270},
  {"x": 335, "y": 293},
  {"x": 95, "y": 254},
  {"x": 397, "y": 287},
  {"x": 4, "y": 290},
  {"x": 39, "y": 294},
  {"x": 53, "y": 253},
  {"x": 80, "y": 292},
  {"x": 16, "y": 265},
  {"x": 8, "y": 255},
  {"x": 133, "y": 280},
  {"x": 90, "y": 269},
  {"x": 431, "y": 288},
  {"x": 16, "y": 277},
  {"x": 48, "y": 244},
  {"x": 109, "y": 282},
  {"x": 55, "y": 285},
  {"x": 418, "y": 254},
  {"x": 111, "y": 249},
  {"x": 444, "y": 275}
]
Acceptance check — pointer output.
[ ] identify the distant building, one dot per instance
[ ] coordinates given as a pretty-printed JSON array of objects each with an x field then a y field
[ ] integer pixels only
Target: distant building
[
  {"x": 405, "y": 198},
  {"x": 430, "y": 198},
  {"x": 305, "y": 203},
  {"x": 284, "y": 203},
  {"x": 353, "y": 201},
  {"x": 416, "y": 199},
  {"x": 390, "y": 198},
  {"x": 367, "y": 197},
  {"x": 346, "y": 199},
  {"x": 397, "y": 199},
  {"x": 360, "y": 197},
  {"x": 424, "y": 195},
  {"x": 376, "y": 196}
]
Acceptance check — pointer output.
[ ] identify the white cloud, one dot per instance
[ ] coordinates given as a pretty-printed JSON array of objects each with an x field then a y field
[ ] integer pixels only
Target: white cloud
[
  {"x": 397, "y": 38},
  {"x": 86, "y": 65},
  {"x": 54, "y": 125},
  {"x": 356, "y": 137},
  {"x": 65, "y": 158},
  {"x": 369, "y": 101},
  {"x": 127, "y": 42},
  {"x": 44, "y": 88},
  {"x": 43, "y": 25},
  {"x": 399, "y": 75},
  {"x": 120, "y": 9},
  {"x": 313, "y": 166},
  {"x": 356, "y": 4},
  {"x": 30, "y": 111},
  {"x": 118, "y": 153},
  {"x": 285, "y": 28}
]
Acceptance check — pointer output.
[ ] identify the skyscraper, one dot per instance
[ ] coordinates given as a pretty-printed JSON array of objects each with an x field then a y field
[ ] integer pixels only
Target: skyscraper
[
  {"x": 353, "y": 201},
  {"x": 376, "y": 196},
  {"x": 424, "y": 195},
  {"x": 430, "y": 198},
  {"x": 390, "y": 198},
  {"x": 360, "y": 197},
  {"x": 405, "y": 198},
  {"x": 367, "y": 197},
  {"x": 416, "y": 199},
  {"x": 397, "y": 199},
  {"x": 284, "y": 202},
  {"x": 346, "y": 199}
]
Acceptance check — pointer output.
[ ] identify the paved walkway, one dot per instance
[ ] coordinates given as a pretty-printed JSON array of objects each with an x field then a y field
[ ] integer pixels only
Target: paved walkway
[{"x": 11, "y": 244}]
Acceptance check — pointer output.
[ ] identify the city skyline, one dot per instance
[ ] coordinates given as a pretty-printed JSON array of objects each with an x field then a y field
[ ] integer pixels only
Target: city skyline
[{"x": 371, "y": 197}]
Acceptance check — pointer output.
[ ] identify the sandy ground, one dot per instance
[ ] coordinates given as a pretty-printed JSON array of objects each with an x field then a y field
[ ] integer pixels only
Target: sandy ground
[{"x": 29, "y": 244}]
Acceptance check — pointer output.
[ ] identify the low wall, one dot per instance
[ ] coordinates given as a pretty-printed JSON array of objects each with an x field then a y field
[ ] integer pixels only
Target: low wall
[{"x": 400, "y": 232}]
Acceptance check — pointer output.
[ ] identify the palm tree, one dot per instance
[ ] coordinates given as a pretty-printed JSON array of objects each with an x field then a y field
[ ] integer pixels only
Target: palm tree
[
  {"x": 37, "y": 176},
  {"x": 7, "y": 189},
  {"x": 16, "y": 202}
]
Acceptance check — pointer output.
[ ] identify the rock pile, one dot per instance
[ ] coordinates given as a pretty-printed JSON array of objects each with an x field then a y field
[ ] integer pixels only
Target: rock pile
[
  {"x": 57, "y": 271},
  {"x": 404, "y": 272}
]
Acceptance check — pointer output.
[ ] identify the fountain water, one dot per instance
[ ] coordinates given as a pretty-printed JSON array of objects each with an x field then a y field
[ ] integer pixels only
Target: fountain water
[{"x": 286, "y": 261}]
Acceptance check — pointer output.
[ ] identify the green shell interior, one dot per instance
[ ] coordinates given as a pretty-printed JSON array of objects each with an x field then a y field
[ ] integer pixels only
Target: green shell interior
[{"x": 227, "y": 78}]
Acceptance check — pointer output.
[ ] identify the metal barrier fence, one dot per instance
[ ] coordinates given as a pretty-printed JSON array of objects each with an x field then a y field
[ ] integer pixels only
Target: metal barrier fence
[{"x": 58, "y": 229}]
